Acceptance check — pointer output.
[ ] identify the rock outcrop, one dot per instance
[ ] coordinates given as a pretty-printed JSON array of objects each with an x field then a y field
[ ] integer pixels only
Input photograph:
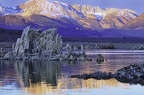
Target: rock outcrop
[
  {"x": 133, "y": 74},
  {"x": 35, "y": 41},
  {"x": 37, "y": 45},
  {"x": 99, "y": 58}
]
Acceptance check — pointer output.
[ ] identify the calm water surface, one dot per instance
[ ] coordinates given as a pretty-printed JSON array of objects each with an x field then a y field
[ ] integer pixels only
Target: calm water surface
[{"x": 51, "y": 78}]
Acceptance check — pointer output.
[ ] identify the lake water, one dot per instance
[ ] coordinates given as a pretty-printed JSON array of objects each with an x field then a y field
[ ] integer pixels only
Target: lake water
[{"x": 51, "y": 78}]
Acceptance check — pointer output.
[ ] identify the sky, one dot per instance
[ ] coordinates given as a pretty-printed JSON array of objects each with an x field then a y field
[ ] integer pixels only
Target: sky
[{"x": 136, "y": 5}]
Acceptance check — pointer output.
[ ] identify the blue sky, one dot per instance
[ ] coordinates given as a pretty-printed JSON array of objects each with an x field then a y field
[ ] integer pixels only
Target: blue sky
[{"x": 137, "y": 5}]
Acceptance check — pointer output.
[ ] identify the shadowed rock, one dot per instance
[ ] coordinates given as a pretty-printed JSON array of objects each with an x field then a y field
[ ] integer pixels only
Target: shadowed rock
[
  {"x": 133, "y": 74},
  {"x": 99, "y": 58},
  {"x": 97, "y": 75}
]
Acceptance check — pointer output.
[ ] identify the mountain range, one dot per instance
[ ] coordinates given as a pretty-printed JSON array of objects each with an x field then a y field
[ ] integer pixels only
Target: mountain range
[{"x": 44, "y": 14}]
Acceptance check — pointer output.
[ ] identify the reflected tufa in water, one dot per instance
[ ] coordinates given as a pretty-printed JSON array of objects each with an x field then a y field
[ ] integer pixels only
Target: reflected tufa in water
[{"x": 38, "y": 71}]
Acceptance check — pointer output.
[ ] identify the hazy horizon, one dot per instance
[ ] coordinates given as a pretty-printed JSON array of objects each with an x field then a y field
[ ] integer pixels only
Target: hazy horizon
[{"x": 127, "y": 4}]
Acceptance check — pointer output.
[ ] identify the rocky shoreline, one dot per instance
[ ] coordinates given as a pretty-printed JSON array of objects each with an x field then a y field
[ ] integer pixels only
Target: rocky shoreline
[{"x": 133, "y": 74}]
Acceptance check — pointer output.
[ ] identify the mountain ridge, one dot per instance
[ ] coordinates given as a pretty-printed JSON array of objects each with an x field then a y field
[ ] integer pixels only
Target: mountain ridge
[
  {"x": 63, "y": 15},
  {"x": 137, "y": 23}
]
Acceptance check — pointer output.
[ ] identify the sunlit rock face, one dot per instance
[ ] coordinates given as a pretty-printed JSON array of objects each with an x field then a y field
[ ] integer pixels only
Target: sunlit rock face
[
  {"x": 137, "y": 23},
  {"x": 56, "y": 8},
  {"x": 35, "y": 41},
  {"x": 50, "y": 9},
  {"x": 107, "y": 17}
]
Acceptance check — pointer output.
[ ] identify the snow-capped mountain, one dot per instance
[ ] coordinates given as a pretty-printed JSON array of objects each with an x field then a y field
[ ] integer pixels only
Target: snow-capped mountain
[
  {"x": 9, "y": 10},
  {"x": 108, "y": 17},
  {"x": 44, "y": 13},
  {"x": 50, "y": 9},
  {"x": 102, "y": 13},
  {"x": 56, "y": 8}
]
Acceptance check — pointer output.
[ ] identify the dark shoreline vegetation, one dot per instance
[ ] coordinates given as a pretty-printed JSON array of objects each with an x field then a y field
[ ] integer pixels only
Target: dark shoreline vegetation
[{"x": 133, "y": 74}]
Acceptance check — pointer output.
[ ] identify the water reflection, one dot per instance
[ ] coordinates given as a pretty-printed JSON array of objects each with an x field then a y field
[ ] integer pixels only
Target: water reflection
[
  {"x": 7, "y": 74},
  {"x": 38, "y": 71},
  {"x": 51, "y": 78},
  {"x": 41, "y": 77}
]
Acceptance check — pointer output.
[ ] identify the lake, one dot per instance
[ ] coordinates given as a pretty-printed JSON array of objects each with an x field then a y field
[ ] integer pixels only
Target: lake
[{"x": 51, "y": 78}]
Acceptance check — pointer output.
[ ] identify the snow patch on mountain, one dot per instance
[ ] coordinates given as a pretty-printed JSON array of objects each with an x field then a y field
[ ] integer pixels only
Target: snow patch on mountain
[
  {"x": 103, "y": 12},
  {"x": 83, "y": 15},
  {"x": 127, "y": 13},
  {"x": 54, "y": 9},
  {"x": 61, "y": 3},
  {"x": 100, "y": 15}
]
